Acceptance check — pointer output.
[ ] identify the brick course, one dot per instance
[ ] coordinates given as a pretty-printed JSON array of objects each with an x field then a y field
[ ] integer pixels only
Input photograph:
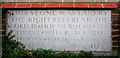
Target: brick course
[
  {"x": 60, "y": 0},
  {"x": 57, "y": 5},
  {"x": 38, "y": 6},
  {"x": 52, "y": 6},
  {"x": 115, "y": 28}
]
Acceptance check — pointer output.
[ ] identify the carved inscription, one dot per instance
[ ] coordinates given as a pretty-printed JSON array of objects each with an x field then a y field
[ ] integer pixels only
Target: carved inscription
[{"x": 72, "y": 30}]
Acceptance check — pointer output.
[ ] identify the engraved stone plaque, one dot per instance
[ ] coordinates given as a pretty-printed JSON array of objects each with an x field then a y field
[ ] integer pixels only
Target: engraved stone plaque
[{"x": 72, "y": 30}]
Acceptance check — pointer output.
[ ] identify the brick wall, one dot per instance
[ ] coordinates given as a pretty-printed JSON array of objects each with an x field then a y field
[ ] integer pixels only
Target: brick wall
[
  {"x": 115, "y": 17},
  {"x": 4, "y": 22},
  {"x": 115, "y": 27},
  {"x": 60, "y": 0}
]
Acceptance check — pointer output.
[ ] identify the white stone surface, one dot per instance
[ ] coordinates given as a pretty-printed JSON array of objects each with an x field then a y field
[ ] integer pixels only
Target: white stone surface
[{"x": 72, "y": 30}]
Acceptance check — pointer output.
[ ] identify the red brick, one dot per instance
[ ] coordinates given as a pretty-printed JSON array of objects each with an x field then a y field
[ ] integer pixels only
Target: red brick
[
  {"x": 95, "y": 5},
  {"x": 66, "y": 5},
  {"x": 58, "y": 0},
  {"x": 52, "y": 5},
  {"x": 114, "y": 48},
  {"x": 38, "y": 6},
  {"x": 116, "y": 33},
  {"x": 23, "y": 6},
  {"x": 3, "y": 32},
  {"x": 81, "y": 6},
  {"x": 57, "y": 5},
  {"x": 110, "y": 6},
  {"x": 114, "y": 43},
  {"x": 116, "y": 38},
  {"x": 115, "y": 27},
  {"x": 8, "y": 5}
]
